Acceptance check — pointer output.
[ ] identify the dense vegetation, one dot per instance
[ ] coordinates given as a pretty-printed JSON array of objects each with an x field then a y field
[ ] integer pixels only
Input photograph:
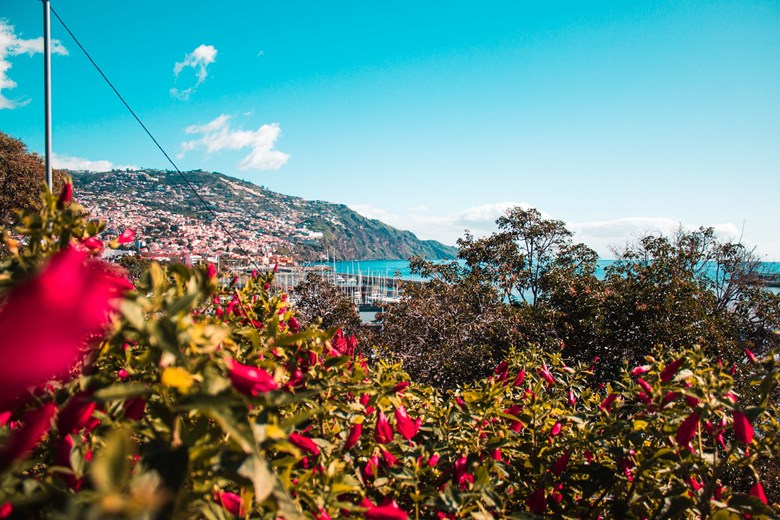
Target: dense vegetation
[{"x": 191, "y": 399}]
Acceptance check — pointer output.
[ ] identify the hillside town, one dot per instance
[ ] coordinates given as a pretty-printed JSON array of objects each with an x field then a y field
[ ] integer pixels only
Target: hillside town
[{"x": 171, "y": 224}]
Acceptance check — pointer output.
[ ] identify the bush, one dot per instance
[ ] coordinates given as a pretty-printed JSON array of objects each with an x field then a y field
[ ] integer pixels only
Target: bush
[{"x": 206, "y": 401}]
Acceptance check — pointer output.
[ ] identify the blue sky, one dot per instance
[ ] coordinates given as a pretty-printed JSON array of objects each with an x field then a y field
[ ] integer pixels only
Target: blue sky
[{"x": 617, "y": 117}]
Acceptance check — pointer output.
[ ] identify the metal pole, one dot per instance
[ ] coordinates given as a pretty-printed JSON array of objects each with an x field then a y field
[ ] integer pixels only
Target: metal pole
[{"x": 47, "y": 88}]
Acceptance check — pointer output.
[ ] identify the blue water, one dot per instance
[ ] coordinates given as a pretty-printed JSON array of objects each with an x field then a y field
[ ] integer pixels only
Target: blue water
[{"x": 400, "y": 268}]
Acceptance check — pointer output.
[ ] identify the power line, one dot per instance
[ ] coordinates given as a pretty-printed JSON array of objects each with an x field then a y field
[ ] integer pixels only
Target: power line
[{"x": 186, "y": 181}]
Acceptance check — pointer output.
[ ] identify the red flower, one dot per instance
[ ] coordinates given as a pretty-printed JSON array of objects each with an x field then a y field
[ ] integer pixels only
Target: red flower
[
  {"x": 211, "y": 271},
  {"x": 294, "y": 325},
  {"x": 390, "y": 511},
  {"x": 537, "y": 502},
  {"x": 743, "y": 430},
  {"x": 135, "y": 408},
  {"x": 94, "y": 244},
  {"x": 322, "y": 514},
  {"x": 496, "y": 455},
  {"x": 354, "y": 435},
  {"x": 405, "y": 425},
  {"x": 390, "y": 459},
  {"x": 76, "y": 414},
  {"x": 304, "y": 443},
  {"x": 571, "y": 398},
  {"x": 519, "y": 378},
  {"x": 645, "y": 386},
  {"x": 400, "y": 387},
  {"x": 546, "y": 374},
  {"x": 758, "y": 491},
  {"x": 462, "y": 477},
  {"x": 752, "y": 357},
  {"x": 638, "y": 371},
  {"x": 561, "y": 462},
  {"x": 433, "y": 460},
  {"x": 230, "y": 502},
  {"x": 501, "y": 370},
  {"x": 126, "y": 237},
  {"x": 22, "y": 441},
  {"x": 66, "y": 195},
  {"x": 250, "y": 380},
  {"x": 383, "y": 433},
  {"x": 687, "y": 429},
  {"x": 556, "y": 429},
  {"x": 42, "y": 330},
  {"x": 606, "y": 404},
  {"x": 670, "y": 370}
]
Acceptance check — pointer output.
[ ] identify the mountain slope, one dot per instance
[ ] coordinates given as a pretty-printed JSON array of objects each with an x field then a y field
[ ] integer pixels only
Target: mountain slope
[{"x": 160, "y": 203}]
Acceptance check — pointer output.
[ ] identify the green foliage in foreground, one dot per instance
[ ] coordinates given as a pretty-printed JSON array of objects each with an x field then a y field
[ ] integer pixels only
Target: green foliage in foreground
[{"x": 207, "y": 401}]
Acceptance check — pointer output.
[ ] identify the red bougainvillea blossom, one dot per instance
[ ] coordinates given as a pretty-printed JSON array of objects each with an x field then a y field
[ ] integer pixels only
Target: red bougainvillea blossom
[
  {"x": 407, "y": 427},
  {"x": 126, "y": 237},
  {"x": 230, "y": 502},
  {"x": 758, "y": 491},
  {"x": 66, "y": 195},
  {"x": 743, "y": 430},
  {"x": 687, "y": 429},
  {"x": 383, "y": 433},
  {"x": 389, "y": 511},
  {"x": 45, "y": 320},
  {"x": 537, "y": 502},
  {"x": 304, "y": 443},
  {"x": 671, "y": 370},
  {"x": 354, "y": 435},
  {"x": 22, "y": 441},
  {"x": 250, "y": 380}
]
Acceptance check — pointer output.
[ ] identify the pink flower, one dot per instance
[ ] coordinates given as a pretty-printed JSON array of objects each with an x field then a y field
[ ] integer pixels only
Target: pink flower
[
  {"x": 250, "y": 380},
  {"x": 230, "y": 502},
  {"x": 606, "y": 404},
  {"x": 638, "y": 371},
  {"x": 752, "y": 357},
  {"x": 304, "y": 443},
  {"x": 407, "y": 427},
  {"x": 390, "y": 511},
  {"x": 383, "y": 433},
  {"x": 671, "y": 370},
  {"x": 645, "y": 386},
  {"x": 743, "y": 430},
  {"x": 126, "y": 237},
  {"x": 556, "y": 429},
  {"x": 66, "y": 195},
  {"x": 294, "y": 325},
  {"x": 496, "y": 455},
  {"x": 22, "y": 441},
  {"x": 571, "y": 398},
  {"x": 211, "y": 271},
  {"x": 546, "y": 374},
  {"x": 94, "y": 244},
  {"x": 42, "y": 330},
  {"x": 354, "y": 435},
  {"x": 433, "y": 460},
  {"x": 758, "y": 491},
  {"x": 400, "y": 387},
  {"x": 75, "y": 415},
  {"x": 687, "y": 429},
  {"x": 390, "y": 459},
  {"x": 462, "y": 477},
  {"x": 6, "y": 510},
  {"x": 519, "y": 378}
]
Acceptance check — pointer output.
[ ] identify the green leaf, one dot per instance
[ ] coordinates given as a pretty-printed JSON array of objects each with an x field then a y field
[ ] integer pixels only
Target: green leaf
[
  {"x": 122, "y": 391},
  {"x": 111, "y": 468}
]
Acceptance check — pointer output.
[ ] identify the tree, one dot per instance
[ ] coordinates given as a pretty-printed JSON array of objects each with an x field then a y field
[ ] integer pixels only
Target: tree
[
  {"x": 317, "y": 298},
  {"x": 21, "y": 176},
  {"x": 450, "y": 330}
]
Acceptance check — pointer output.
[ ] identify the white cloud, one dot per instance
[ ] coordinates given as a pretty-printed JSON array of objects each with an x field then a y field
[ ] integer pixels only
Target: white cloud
[
  {"x": 218, "y": 135},
  {"x": 602, "y": 236},
  {"x": 12, "y": 45},
  {"x": 66, "y": 162},
  {"x": 199, "y": 60}
]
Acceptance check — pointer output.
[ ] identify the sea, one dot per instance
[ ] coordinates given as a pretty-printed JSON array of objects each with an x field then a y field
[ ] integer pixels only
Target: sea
[{"x": 400, "y": 269}]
